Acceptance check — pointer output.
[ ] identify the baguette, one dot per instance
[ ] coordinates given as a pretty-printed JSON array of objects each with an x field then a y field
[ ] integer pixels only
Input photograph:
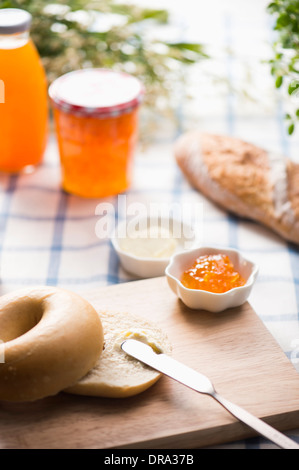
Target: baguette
[{"x": 243, "y": 179}]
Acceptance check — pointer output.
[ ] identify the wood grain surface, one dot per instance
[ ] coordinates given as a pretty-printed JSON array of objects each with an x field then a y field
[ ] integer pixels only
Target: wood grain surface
[{"x": 233, "y": 348}]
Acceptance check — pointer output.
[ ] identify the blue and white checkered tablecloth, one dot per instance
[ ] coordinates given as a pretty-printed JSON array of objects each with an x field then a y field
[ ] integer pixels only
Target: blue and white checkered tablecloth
[{"x": 49, "y": 237}]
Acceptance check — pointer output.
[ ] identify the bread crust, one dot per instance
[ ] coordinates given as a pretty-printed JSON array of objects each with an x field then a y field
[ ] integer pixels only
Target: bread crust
[
  {"x": 243, "y": 178},
  {"x": 51, "y": 338}
]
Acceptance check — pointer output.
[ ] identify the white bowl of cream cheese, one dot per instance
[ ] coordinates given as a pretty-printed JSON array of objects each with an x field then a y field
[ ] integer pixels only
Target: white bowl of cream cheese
[{"x": 145, "y": 245}]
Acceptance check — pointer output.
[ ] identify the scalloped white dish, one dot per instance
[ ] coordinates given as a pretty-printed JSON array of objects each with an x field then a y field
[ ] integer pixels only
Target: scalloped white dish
[{"x": 204, "y": 300}]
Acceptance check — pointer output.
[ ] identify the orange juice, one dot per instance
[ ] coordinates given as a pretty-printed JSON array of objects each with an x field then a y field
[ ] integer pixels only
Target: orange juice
[
  {"x": 24, "y": 110},
  {"x": 96, "y": 116}
]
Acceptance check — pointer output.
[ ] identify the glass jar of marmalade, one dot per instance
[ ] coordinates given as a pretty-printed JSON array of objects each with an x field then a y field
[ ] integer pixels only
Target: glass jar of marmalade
[{"x": 96, "y": 118}]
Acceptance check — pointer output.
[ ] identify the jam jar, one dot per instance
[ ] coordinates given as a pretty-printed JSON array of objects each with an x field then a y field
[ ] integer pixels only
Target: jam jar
[{"x": 96, "y": 119}]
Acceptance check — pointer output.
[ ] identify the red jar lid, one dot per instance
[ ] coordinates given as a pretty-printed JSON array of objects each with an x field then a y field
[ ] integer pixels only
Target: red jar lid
[{"x": 96, "y": 92}]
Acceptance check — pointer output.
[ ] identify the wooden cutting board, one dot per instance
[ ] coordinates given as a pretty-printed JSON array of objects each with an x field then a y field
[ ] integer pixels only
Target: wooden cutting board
[{"x": 233, "y": 348}]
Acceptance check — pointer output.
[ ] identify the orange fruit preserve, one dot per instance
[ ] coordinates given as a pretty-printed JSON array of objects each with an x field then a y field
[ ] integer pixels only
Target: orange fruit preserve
[
  {"x": 96, "y": 154},
  {"x": 24, "y": 112},
  {"x": 213, "y": 273},
  {"x": 96, "y": 117}
]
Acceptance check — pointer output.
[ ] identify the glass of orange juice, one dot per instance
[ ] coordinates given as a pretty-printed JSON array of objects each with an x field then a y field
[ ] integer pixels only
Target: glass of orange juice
[
  {"x": 24, "y": 97},
  {"x": 96, "y": 118}
]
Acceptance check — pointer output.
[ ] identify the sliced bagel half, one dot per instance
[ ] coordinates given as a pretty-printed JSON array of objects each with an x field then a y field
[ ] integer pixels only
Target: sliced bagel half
[{"x": 117, "y": 375}]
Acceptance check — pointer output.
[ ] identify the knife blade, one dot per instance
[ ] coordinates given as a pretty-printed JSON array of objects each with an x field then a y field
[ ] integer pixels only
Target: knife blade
[{"x": 202, "y": 384}]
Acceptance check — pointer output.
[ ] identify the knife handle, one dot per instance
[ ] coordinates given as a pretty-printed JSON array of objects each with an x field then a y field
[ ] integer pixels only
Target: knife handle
[{"x": 257, "y": 424}]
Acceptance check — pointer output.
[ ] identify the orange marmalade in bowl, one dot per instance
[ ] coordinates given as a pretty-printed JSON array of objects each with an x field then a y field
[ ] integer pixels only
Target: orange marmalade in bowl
[
  {"x": 213, "y": 273},
  {"x": 96, "y": 118}
]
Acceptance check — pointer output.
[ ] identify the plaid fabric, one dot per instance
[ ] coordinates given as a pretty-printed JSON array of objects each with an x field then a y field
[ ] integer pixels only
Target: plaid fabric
[{"x": 49, "y": 237}]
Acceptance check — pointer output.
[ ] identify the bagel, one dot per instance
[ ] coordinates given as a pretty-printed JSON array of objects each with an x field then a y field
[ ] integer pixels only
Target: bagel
[
  {"x": 117, "y": 375},
  {"x": 51, "y": 338}
]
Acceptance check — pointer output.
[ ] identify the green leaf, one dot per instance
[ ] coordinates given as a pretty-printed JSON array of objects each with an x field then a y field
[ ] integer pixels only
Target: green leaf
[
  {"x": 194, "y": 47},
  {"x": 279, "y": 81},
  {"x": 285, "y": 61},
  {"x": 283, "y": 20},
  {"x": 291, "y": 128},
  {"x": 293, "y": 87},
  {"x": 158, "y": 15},
  {"x": 123, "y": 46}
]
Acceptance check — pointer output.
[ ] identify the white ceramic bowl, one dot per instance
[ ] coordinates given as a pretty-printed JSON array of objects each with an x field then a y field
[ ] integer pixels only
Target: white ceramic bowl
[
  {"x": 204, "y": 300},
  {"x": 152, "y": 267}
]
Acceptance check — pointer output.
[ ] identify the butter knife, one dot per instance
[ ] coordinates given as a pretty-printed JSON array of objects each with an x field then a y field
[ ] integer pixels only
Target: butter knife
[{"x": 200, "y": 383}]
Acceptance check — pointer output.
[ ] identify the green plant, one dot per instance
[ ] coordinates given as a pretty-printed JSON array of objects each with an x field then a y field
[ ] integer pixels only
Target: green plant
[
  {"x": 64, "y": 35},
  {"x": 285, "y": 63}
]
